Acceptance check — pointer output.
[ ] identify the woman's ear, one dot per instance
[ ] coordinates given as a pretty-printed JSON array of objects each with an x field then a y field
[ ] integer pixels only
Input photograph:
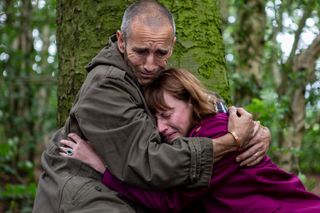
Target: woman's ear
[{"x": 121, "y": 42}]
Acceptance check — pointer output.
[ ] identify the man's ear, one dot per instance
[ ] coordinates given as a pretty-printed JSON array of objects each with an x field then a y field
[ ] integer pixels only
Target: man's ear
[
  {"x": 173, "y": 43},
  {"x": 121, "y": 42}
]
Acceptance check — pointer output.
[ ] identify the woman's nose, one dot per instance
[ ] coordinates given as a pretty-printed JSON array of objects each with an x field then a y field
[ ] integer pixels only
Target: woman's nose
[{"x": 162, "y": 126}]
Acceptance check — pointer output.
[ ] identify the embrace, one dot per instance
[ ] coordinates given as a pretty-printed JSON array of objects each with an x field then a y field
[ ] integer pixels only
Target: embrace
[{"x": 143, "y": 138}]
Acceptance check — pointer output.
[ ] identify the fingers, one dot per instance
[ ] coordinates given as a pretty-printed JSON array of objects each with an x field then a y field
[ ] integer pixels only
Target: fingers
[
  {"x": 67, "y": 143},
  {"x": 252, "y": 156},
  {"x": 253, "y": 139},
  {"x": 254, "y": 162},
  {"x": 63, "y": 154},
  {"x": 232, "y": 110},
  {"x": 75, "y": 138},
  {"x": 64, "y": 151},
  {"x": 239, "y": 111},
  {"x": 243, "y": 112}
]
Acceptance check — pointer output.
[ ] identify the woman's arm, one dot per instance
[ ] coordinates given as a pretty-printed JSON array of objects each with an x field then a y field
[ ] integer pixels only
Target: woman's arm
[{"x": 173, "y": 200}]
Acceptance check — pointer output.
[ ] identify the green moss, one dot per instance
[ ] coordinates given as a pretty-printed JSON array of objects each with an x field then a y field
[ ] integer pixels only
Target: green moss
[
  {"x": 199, "y": 47},
  {"x": 83, "y": 28}
]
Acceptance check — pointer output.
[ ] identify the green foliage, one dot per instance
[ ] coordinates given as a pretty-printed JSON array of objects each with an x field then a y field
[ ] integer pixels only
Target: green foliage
[
  {"x": 18, "y": 197},
  {"x": 28, "y": 66},
  {"x": 310, "y": 150},
  {"x": 272, "y": 100},
  {"x": 18, "y": 192}
]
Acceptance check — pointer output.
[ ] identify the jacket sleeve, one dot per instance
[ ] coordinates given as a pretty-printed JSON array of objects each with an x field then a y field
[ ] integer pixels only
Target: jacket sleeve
[
  {"x": 111, "y": 115},
  {"x": 176, "y": 199},
  {"x": 173, "y": 200}
]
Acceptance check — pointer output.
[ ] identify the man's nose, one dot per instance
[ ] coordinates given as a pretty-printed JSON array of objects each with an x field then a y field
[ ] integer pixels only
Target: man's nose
[{"x": 150, "y": 63}]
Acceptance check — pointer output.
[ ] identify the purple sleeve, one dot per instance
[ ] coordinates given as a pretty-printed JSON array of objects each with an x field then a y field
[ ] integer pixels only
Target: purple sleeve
[
  {"x": 174, "y": 200},
  {"x": 214, "y": 127}
]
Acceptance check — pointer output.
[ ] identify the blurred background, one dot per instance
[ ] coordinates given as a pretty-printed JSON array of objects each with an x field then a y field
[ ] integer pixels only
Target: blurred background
[{"x": 272, "y": 51}]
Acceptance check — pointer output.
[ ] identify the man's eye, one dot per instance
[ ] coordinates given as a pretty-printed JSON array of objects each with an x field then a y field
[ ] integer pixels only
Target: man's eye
[
  {"x": 161, "y": 53},
  {"x": 142, "y": 52}
]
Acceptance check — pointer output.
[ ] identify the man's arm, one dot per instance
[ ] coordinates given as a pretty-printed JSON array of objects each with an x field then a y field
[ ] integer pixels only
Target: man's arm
[
  {"x": 111, "y": 115},
  {"x": 172, "y": 200}
]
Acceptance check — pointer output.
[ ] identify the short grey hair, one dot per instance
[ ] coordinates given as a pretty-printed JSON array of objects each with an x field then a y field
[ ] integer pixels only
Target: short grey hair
[{"x": 144, "y": 7}]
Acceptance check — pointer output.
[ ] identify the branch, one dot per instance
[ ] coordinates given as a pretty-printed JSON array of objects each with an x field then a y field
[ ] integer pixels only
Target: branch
[
  {"x": 307, "y": 59},
  {"x": 301, "y": 25}
]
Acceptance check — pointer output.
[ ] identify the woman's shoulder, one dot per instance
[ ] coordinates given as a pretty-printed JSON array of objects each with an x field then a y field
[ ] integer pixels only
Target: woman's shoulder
[{"x": 212, "y": 126}]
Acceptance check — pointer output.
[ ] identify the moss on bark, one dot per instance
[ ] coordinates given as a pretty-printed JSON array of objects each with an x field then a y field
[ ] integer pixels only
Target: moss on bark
[{"x": 83, "y": 27}]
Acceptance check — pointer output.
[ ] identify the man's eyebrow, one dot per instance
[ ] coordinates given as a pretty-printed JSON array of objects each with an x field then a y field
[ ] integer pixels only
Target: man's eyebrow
[{"x": 139, "y": 48}]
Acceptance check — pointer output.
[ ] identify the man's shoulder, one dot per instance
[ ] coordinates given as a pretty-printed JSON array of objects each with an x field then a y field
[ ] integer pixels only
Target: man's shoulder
[{"x": 109, "y": 71}]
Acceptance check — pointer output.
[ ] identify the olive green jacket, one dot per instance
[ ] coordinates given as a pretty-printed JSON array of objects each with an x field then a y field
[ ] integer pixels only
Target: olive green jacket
[{"x": 110, "y": 112}]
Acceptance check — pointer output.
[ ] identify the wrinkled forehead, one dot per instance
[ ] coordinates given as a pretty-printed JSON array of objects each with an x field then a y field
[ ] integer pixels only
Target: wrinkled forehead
[{"x": 156, "y": 24}]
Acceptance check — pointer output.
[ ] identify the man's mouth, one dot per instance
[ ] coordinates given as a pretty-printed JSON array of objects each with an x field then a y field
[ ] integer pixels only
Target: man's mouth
[{"x": 147, "y": 75}]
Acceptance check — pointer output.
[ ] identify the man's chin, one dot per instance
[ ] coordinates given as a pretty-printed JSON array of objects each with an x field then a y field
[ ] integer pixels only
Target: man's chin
[{"x": 145, "y": 82}]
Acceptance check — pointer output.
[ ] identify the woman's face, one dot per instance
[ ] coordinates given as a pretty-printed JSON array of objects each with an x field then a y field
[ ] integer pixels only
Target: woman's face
[{"x": 176, "y": 121}]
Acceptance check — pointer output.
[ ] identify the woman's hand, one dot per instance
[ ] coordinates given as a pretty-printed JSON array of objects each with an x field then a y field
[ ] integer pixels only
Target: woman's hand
[{"x": 79, "y": 149}]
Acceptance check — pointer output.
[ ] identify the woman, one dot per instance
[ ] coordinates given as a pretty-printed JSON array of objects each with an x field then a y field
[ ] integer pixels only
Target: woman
[{"x": 183, "y": 108}]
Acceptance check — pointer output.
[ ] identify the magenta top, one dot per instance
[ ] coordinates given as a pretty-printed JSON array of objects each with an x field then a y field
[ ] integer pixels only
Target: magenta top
[{"x": 260, "y": 188}]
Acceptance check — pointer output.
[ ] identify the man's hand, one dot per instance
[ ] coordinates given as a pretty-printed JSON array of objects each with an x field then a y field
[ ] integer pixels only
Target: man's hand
[
  {"x": 240, "y": 125},
  {"x": 254, "y": 138},
  {"x": 257, "y": 147}
]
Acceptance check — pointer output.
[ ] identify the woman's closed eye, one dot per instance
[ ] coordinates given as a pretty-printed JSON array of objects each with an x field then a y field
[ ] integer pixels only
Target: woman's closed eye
[{"x": 164, "y": 115}]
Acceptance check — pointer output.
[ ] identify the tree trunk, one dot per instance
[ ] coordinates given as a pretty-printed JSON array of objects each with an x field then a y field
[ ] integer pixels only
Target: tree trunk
[
  {"x": 289, "y": 76},
  {"x": 249, "y": 41},
  {"x": 84, "y": 27},
  {"x": 303, "y": 70}
]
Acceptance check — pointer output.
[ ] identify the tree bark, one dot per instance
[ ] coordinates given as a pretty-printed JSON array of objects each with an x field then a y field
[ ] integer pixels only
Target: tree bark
[
  {"x": 84, "y": 27},
  {"x": 304, "y": 68},
  {"x": 249, "y": 42}
]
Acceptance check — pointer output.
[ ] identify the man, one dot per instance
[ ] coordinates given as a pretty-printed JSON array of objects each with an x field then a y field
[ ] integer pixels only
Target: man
[{"x": 110, "y": 112}]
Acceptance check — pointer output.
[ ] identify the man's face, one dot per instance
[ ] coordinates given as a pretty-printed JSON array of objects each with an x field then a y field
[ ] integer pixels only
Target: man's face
[{"x": 147, "y": 49}]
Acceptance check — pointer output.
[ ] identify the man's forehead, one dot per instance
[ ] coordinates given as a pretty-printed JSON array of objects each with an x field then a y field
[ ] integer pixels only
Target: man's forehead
[{"x": 165, "y": 29}]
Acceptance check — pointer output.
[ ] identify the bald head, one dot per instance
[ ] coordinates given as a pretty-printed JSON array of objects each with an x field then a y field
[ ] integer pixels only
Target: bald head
[{"x": 146, "y": 12}]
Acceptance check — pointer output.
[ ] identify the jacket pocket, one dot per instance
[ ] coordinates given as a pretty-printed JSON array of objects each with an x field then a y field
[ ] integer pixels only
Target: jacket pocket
[{"x": 76, "y": 190}]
